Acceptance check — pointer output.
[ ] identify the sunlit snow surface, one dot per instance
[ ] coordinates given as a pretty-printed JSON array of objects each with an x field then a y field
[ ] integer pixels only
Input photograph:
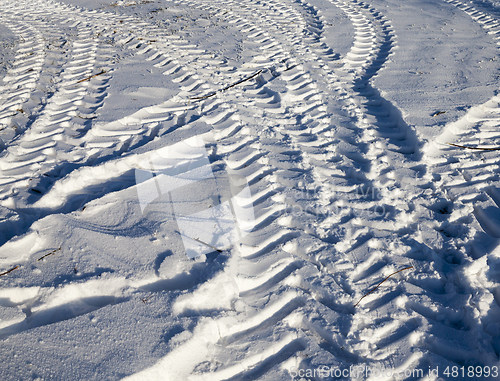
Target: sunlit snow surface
[{"x": 249, "y": 190}]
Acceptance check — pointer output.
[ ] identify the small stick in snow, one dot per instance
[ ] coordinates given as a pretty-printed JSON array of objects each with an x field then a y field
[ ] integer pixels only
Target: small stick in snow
[
  {"x": 243, "y": 80},
  {"x": 206, "y": 244},
  {"x": 438, "y": 113},
  {"x": 9, "y": 271},
  {"x": 377, "y": 286},
  {"x": 478, "y": 148},
  {"x": 291, "y": 67},
  {"x": 92, "y": 76},
  {"x": 225, "y": 88},
  {"x": 86, "y": 117},
  {"x": 145, "y": 300},
  {"x": 203, "y": 97},
  {"x": 46, "y": 255}
]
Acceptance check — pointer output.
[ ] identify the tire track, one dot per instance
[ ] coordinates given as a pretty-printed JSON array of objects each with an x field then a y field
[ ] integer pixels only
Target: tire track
[
  {"x": 95, "y": 143},
  {"x": 275, "y": 172},
  {"x": 21, "y": 79},
  {"x": 56, "y": 141},
  {"x": 58, "y": 112},
  {"x": 46, "y": 132},
  {"x": 288, "y": 167},
  {"x": 467, "y": 214},
  {"x": 61, "y": 119},
  {"x": 372, "y": 46},
  {"x": 386, "y": 335},
  {"x": 437, "y": 335},
  {"x": 265, "y": 102},
  {"x": 294, "y": 247},
  {"x": 321, "y": 150},
  {"x": 65, "y": 116}
]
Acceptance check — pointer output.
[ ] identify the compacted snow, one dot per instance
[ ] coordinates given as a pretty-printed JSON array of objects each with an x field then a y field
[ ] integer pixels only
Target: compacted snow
[{"x": 251, "y": 189}]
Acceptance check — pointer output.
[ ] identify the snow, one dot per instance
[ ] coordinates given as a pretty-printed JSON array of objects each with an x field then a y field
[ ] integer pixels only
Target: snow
[{"x": 270, "y": 189}]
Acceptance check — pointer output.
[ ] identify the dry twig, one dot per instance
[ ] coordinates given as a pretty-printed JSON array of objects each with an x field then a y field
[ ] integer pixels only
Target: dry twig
[
  {"x": 478, "y": 148},
  {"x": 204, "y": 96},
  {"x": 46, "y": 255},
  {"x": 86, "y": 117},
  {"x": 378, "y": 285},
  {"x": 243, "y": 80},
  {"x": 291, "y": 67},
  {"x": 9, "y": 271},
  {"x": 226, "y": 88},
  {"x": 92, "y": 76},
  {"x": 206, "y": 244},
  {"x": 438, "y": 113}
]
